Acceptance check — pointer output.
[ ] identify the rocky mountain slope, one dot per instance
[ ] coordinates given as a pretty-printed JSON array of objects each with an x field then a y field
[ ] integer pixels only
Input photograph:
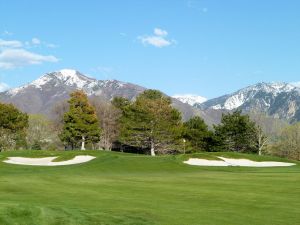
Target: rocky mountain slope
[
  {"x": 280, "y": 100},
  {"x": 41, "y": 95}
]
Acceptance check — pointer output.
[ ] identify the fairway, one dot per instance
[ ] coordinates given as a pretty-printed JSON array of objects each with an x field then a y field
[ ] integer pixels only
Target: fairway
[{"x": 119, "y": 188}]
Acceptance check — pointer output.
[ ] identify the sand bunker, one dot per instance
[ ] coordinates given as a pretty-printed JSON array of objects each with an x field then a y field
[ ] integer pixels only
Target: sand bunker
[
  {"x": 47, "y": 161},
  {"x": 235, "y": 162}
]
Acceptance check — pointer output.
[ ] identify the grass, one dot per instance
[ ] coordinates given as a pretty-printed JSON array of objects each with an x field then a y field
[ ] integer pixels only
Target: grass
[{"x": 119, "y": 188}]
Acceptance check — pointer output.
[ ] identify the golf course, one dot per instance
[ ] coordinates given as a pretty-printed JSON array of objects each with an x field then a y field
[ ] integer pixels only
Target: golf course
[{"x": 120, "y": 188}]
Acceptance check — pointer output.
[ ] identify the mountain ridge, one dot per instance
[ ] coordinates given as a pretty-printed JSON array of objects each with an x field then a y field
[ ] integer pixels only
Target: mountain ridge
[
  {"x": 190, "y": 99},
  {"x": 277, "y": 99},
  {"x": 42, "y": 94}
]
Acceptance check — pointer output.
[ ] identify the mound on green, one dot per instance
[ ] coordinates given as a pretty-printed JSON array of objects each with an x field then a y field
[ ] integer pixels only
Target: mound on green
[{"x": 118, "y": 188}]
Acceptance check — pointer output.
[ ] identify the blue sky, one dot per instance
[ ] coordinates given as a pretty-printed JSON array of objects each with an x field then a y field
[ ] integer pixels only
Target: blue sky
[{"x": 207, "y": 48}]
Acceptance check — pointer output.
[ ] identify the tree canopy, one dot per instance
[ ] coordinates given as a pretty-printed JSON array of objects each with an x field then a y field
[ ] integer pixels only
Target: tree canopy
[
  {"x": 196, "y": 133},
  {"x": 236, "y": 132},
  {"x": 13, "y": 125},
  {"x": 150, "y": 122},
  {"x": 81, "y": 124}
]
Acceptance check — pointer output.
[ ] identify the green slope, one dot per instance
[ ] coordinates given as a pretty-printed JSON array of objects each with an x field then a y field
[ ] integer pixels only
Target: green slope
[{"x": 118, "y": 188}]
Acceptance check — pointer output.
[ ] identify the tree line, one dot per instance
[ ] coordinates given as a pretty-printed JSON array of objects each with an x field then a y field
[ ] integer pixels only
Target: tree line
[{"x": 148, "y": 125}]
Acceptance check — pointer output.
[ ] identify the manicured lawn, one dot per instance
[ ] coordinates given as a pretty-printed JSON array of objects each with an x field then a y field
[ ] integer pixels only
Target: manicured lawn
[{"x": 118, "y": 188}]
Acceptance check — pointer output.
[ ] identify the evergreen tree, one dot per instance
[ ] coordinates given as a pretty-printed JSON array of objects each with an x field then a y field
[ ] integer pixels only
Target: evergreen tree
[
  {"x": 150, "y": 122},
  {"x": 236, "y": 132},
  {"x": 196, "y": 134},
  {"x": 120, "y": 103},
  {"x": 81, "y": 124}
]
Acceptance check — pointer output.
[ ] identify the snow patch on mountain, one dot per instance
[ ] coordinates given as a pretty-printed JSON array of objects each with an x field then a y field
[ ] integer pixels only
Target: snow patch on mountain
[
  {"x": 67, "y": 73},
  {"x": 15, "y": 91},
  {"x": 70, "y": 78},
  {"x": 41, "y": 81},
  {"x": 247, "y": 94},
  {"x": 235, "y": 101},
  {"x": 190, "y": 99},
  {"x": 74, "y": 78}
]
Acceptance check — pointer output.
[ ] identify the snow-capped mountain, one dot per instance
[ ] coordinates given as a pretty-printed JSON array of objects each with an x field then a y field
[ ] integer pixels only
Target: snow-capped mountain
[
  {"x": 41, "y": 95},
  {"x": 190, "y": 99},
  {"x": 281, "y": 100},
  {"x": 74, "y": 80}
]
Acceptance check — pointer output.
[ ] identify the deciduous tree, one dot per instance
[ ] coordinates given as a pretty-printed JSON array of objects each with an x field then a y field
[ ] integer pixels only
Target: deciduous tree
[
  {"x": 41, "y": 132},
  {"x": 109, "y": 122},
  {"x": 13, "y": 125},
  {"x": 289, "y": 143}
]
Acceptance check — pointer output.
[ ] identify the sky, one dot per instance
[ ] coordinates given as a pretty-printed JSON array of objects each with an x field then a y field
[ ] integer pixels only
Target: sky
[{"x": 202, "y": 47}]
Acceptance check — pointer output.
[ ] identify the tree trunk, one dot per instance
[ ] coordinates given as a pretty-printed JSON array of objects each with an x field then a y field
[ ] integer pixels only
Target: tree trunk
[
  {"x": 259, "y": 145},
  {"x": 83, "y": 143},
  {"x": 152, "y": 148},
  {"x": 259, "y": 151}
]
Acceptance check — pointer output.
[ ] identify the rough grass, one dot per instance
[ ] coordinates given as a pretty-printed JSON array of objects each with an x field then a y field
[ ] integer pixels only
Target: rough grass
[{"x": 118, "y": 188}]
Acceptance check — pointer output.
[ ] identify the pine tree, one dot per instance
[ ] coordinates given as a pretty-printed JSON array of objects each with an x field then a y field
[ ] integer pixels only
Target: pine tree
[
  {"x": 81, "y": 124},
  {"x": 150, "y": 122},
  {"x": 236, "y": 132},
  {"x": 196, "y": 134}
]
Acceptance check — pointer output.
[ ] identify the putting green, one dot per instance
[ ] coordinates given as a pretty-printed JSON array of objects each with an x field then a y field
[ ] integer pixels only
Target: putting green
[{"x": 118, "y": 188}]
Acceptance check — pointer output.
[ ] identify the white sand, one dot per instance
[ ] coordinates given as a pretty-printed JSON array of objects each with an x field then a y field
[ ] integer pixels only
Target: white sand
[
  {"x": 47, "y": 161},
  {"x": 205, "y": 162},
  {"x": 235, "y": 162}
]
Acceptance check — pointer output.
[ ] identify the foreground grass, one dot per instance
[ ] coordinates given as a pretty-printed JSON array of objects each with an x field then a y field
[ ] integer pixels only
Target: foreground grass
[{"x": 118, "y": 188}]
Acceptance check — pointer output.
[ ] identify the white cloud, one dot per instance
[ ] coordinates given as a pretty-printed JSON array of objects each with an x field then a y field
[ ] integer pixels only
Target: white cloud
[
  {"x": 158, "y": 39},
  {"x": 160, "y": 32},
  {"x": 13, "y": 58},
  {"x": 36, "y": 41},
  {"x": 10, "y": 44},
  {"x": 155, "y": 41},
  {"x": 14, "y": 53},
  {"x": 3, "y": 87}
]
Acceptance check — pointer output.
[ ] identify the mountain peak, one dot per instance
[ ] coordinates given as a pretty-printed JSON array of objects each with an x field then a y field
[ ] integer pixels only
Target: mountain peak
[
  {"x": 261, "y": 96},
  {"x": 68, "y": 72},
  {"x": 273, "y": 86},
  {"x": 70, "y": 77},
  {"x": 190, "y": 99}
]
